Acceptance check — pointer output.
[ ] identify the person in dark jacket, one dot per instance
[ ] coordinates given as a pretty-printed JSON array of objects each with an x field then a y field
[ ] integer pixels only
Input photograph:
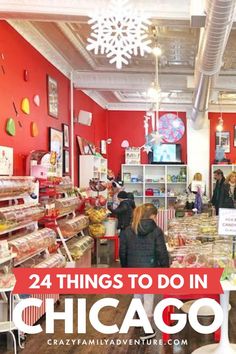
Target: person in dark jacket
[
  {"x": 123, "y": 212},
  {"x": 228, "y": 196},
  {"x": 131, "y": 200},
  {"x": 216, "y": 197},
  {"x": 142, "y": 245}
]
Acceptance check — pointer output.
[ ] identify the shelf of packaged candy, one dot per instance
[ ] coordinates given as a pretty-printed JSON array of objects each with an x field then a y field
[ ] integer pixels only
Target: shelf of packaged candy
[
  {"x": 17, "y": 216},
  {"x": 11, "y": 187},
  {"x": 61, "y": 216},
  {"x": 17, "y": 213}
]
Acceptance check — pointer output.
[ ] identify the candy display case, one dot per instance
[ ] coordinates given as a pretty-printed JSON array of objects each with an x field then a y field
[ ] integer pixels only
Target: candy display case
[
  {"x": 67, "y": 205},
  {"x": 192, "y": 230},
  {"x": 79, "y": 248},
  {"x": 15, "y": 186},
  {"x": 7, "y": 278},
  {"x": 31, "y": 244},
  {"x": 54, "y": 261},
  {"x": 17, "y": 215},
  {"x": 73, "y": 226}
]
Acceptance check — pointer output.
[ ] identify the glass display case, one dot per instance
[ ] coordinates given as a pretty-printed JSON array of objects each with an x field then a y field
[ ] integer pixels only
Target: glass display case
[
  {"x": 30, "y": 244},
  {"x": 54, "y": 261},
  {"x": 13, "y": 216},
  {"x": 15, "y": 186},
  {"x": 7, "y": 278},
  {"x": 66, "y": 205},
  {"x": 78, "y": 248},
  {"x": 73, "y": 226}
]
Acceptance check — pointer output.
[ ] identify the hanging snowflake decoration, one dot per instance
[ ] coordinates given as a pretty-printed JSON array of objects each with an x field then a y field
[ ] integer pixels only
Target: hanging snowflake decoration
[{"x": 119, "y": 32}]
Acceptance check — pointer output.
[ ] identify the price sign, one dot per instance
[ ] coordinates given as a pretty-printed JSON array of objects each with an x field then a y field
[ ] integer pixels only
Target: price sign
[{"x": 227, "y": 222}]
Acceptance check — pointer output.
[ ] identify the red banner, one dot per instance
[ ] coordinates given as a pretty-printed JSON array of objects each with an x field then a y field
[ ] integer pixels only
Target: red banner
[{"x": 169, "y": 281}]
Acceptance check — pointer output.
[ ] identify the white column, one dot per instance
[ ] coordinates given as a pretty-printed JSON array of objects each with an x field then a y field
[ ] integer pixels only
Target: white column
[{"x": 198, "y": 151}]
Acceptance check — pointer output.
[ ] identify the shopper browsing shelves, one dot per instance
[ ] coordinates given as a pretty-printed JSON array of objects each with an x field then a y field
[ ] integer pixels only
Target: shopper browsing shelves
[
  {"x": 220, "y": 179},
  {"x": 228, "y": 196},
  {"x": 123, "y": 212},
  {"x": 142, "y": 245}
]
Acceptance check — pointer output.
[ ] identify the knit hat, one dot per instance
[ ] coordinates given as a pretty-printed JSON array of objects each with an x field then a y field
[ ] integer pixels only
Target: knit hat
[{"x": 122, "y": 195}]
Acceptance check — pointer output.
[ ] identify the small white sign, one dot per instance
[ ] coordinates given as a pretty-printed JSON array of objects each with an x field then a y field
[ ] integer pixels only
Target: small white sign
[
  {"x": 227, "y": 222},
  {"x": 6, "y": 161}
]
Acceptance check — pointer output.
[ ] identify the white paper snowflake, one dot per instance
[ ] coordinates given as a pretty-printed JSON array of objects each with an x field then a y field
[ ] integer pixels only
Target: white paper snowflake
[{"x": 119, "y": 32}]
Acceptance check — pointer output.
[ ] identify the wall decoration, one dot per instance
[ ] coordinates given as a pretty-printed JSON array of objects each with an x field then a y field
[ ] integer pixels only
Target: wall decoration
[
  {"x": 11, "y": 127},
  {"x": 36, "y": 100},
  {"x": 235, "y": 136},
  {"x": 6, "y": 161},
  {"x": 223, "y": 140},
  {"x": 25, "y": 105},
  {"x": 103, "y": 146},
  {"x": 3, "y": 70},
  {"x": 52, "y": 88},
  {"x": 119, "y": 31},
  {"x": 66, "y": 136},
  {"x": 34, "y": 129},
  {"x": 84, "y": 146},
  {"x": 56, "y": 145},
  {"x": 66, "y": 162},
  {"x": 125, "y": 144},
  {"x": 171, "y": 127},
  {"x": 15, "y": 109},
  {"x": 26, "y": 75}
]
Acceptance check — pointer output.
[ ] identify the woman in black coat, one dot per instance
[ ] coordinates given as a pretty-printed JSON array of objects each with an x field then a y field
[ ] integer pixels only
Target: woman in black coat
[
  {"x": 228, "y": 195},
  {"x": 142, "y": 245}
]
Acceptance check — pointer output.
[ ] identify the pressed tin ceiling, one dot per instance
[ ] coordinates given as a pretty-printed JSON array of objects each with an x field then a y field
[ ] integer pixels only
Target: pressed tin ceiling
[{"x": 61, "y": 35}]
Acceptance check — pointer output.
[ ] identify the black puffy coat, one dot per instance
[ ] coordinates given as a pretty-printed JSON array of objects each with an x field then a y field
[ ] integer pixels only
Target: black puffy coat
[
  {"x": 226, "y": 201},
  {"x": 217, "y": 194},
  {"x": 146, "y": 249},
  {"x": 124, "y": 213}
]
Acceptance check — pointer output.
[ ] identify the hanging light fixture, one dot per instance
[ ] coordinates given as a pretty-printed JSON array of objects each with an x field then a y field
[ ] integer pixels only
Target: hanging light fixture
[
  {"x": 220, "y": 125},
  {"x": 154, "y": 90}
]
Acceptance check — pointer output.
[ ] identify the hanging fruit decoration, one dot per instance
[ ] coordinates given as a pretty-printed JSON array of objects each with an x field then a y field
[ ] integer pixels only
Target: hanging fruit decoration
[
  {"x": 34, "y": 129},
  {"x": 36, "y": 100},
  {"x": 25, "y": 105},
  {"x": 11, "y": 127},
  {"x": 26, "y": 75}
]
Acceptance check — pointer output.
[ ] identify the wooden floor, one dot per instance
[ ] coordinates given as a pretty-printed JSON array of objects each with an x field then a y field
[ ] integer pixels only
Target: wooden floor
[{"x": 38, "y": 343}]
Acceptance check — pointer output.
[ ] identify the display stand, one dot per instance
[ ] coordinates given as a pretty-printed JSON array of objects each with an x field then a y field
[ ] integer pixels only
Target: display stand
[
  {"x": 224, "y": 346},
  {"x": 62, "y": 211},
  {"x": 17, "y": 192}
]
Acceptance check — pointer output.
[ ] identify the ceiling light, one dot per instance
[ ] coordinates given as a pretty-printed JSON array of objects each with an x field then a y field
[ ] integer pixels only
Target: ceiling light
[
  {"x": 156, "y": 51},
  {"x": 220, "y": 125},
  {"x": 154, "y": 92}
]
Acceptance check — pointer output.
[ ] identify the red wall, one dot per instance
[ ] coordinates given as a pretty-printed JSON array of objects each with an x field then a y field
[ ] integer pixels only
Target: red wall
[
  {"x": 96, "y": 132},
  {"x": 229, "y": 123},
  {"x": 20, "y": 55},
  {"x": 127, "y": 125}
]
